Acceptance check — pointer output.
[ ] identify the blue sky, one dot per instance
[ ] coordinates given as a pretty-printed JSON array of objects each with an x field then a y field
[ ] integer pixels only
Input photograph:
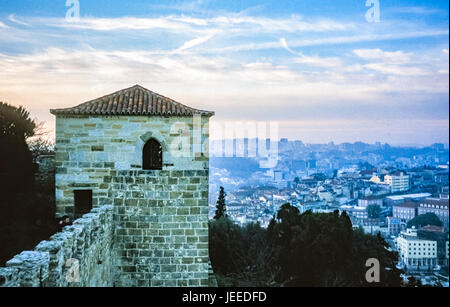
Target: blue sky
[{"x": 318, "y": 68}]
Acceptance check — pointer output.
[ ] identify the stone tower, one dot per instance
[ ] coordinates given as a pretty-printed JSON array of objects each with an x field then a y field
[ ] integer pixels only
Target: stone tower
[{"x": 147, "y": 155}]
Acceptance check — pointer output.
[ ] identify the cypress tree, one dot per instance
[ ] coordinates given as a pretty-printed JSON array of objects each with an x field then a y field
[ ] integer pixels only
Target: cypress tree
[{"x": 220, "y": 207}]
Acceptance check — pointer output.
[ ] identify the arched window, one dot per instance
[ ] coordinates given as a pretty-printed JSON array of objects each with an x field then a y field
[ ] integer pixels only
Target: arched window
[{"x": 152, "y": 155}]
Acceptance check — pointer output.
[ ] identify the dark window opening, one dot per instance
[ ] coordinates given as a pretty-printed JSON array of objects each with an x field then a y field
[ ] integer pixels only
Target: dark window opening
[
  {"x": 83, "y": 202},
  {"x": 152, "y": 155}
]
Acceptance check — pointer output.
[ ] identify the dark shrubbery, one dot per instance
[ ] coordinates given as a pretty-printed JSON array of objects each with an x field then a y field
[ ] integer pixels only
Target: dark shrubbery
[
  {"x": 427, "y": 219},
  {"x": 298, "y": 250},
  {"x": 27, "y": 207}
]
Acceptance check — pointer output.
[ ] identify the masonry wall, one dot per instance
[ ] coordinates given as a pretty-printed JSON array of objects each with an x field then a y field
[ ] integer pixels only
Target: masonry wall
[
  {"x": 86, "y": 244},
  {"x": 160, "y": 217},
  {"x": 161, "y": 234}
]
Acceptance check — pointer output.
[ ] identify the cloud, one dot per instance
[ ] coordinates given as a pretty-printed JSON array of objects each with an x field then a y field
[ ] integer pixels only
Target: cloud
[
  {"x": 329, "y": 40},
  {"x": 420, "y": 10},
  {"x": 12, "y": 18},
  {"x": 123, "y": 23},
  {"x": 398, "y": 57},
  {"x": 197, "y": 78},
  {"x": 204, "y": 62},
  {"x": 396, "y": 69},
  {"x": 402, "y": 63},
  {"x": 312, "y": 60},
  {"x": 3, "y": 26},
  {"x": 285, "y": 46},
  {"x": 194, "y": 42},
  {"x": 231, "y": 22}
]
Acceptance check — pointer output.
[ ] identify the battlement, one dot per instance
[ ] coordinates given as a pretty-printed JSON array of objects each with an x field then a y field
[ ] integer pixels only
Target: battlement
[{"x": 87, "y": 244}]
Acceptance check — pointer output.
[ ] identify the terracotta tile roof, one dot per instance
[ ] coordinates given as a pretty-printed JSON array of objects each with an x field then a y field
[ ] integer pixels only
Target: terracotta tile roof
[{"x": 133, "y": 101}]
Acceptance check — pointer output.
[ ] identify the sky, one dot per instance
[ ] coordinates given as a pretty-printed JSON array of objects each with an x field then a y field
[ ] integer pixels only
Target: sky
[{"x": 323, "y": 70}]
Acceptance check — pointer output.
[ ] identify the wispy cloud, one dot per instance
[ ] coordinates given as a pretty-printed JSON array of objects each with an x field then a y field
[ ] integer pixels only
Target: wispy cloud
[
  {"x": 397, "y": 57},
  {"x": 3, "y": 26},
  {"x": 312, "y": 60},
  {"x": 194, "y": 42},
  {"x": 414, "y": 10},
  {"x": 329, "y": 40},
  {"x": 246, "y": 86},
  {"x": 230, "y": 22},
  {"x": 13, "y": 19}
]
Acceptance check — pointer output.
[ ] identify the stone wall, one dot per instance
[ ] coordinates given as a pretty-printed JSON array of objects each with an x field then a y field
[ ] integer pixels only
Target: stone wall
[
  {"x": 160, "y": 217},
  {"x": 87, "y": 243},
  {"x": 89, "y": 149},
  {"x": 161, "y": 233}
]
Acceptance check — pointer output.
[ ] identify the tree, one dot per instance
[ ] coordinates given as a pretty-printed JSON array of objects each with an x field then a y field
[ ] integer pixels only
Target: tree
[
  {"x": 221, "y": 207},
  {"x": 309, "y": 249},
  {"x": 16, "y": 121},
  {"x": 414, "y": 282},
  {"x": 323, "y": 250},
  {"x": 427, "y": 219},
  {"x": 16, "y": 162},
  {"x": 26, "y": 207},
  {"x": 373, "y": 211}
]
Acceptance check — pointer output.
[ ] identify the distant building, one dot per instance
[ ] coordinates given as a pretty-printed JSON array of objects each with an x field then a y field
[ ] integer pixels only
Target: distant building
[
  {"x": 277, "y": 176},
  {"x": 358, "y": 214},
  {"x": 405, "y": 211},
  {"x": 416, "y": 254},
  {"x": 395, "y": 225},
  {"x": 398, "y": 199},
  {"x": 375, "y": 179},
  {"x": 437, "y": 206},
  {"x": 370, "y": 200},
  {"x": 398, "y": 182},
  {"x": 439, "y": 235}
]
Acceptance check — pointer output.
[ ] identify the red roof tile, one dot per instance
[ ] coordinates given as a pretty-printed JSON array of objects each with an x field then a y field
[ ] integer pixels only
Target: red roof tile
[{"x": 133, "y": 101}]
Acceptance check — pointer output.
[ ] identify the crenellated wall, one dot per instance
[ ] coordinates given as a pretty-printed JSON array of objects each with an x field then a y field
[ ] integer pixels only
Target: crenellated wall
[{"x": 86, "y": 244}]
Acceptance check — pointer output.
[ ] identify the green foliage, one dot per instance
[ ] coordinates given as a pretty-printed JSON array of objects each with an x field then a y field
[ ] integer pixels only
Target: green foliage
[
  {"x": 16, "y": 163},
  {"x": 425, "y": 220},
  {"x": 16, "y": 122},
  {"x": 221, "y": 207},
  {"x": 241, "y": 256},
  {"x": 40, "y": 147},
  {"x": 299, "y": 250},
  {"x": 373, "y": 211}
]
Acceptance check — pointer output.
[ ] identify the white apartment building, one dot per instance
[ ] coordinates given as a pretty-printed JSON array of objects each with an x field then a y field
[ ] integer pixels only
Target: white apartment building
[
  {"x": 416, "y": 253},
  {"x": 397, "y": 181}
]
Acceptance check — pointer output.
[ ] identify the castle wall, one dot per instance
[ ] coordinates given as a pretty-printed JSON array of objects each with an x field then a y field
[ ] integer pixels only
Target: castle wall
[
  {"x": 87, "y": 244},
  {"x": 161, "y": 234}
]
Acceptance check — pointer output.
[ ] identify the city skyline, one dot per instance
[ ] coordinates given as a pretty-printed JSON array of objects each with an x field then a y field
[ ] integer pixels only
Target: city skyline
[{"x": 320, "y": 69}]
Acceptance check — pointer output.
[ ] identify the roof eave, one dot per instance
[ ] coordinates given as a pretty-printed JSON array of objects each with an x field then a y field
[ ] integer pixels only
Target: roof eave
[{"x": 58, "y": 112}]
